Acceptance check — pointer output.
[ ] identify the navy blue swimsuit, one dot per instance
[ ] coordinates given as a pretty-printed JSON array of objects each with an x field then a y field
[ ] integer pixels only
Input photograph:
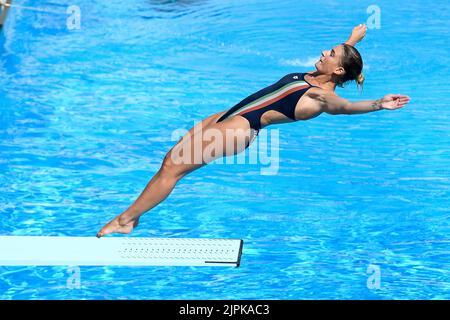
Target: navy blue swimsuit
[{"x": 281, "y": 96}]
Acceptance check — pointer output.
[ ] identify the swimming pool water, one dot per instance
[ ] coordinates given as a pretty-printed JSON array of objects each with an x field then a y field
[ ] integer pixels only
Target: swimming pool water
[{"x": 86, "y": 117}]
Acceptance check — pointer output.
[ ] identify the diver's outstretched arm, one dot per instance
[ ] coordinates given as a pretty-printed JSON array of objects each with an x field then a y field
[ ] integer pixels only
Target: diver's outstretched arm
[
  {"x": 333, "y": 104},
  {"x": 357, "y": 34}
]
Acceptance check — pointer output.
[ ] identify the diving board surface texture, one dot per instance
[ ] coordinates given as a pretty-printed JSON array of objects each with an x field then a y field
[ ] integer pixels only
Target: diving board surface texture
[{"x": 118, "y": 251}]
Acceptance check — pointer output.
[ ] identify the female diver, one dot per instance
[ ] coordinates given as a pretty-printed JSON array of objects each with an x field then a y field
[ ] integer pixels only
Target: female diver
[{"x": 296, "y": 96}]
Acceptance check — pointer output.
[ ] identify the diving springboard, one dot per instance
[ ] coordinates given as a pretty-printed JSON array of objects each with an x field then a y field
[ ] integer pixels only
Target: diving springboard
[{"x": 118, "y": 251}]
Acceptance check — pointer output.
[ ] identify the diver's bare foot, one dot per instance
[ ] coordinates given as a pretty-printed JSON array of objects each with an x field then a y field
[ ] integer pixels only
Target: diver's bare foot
[{"x": 119, "y": 224}]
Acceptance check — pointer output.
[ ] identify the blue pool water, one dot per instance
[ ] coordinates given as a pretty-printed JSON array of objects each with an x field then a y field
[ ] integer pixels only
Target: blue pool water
[{"x": 87, "y": 115}]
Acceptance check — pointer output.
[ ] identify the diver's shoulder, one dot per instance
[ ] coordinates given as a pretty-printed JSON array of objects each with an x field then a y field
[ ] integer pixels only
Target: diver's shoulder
[{"x": 320, "y": 94}]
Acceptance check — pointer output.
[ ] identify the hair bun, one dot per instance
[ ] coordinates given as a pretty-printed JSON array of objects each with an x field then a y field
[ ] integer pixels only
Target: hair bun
[{"x": 360, "y": 78}]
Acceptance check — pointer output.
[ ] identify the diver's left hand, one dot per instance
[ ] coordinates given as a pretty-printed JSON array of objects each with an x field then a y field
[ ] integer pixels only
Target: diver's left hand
[{"x": 394, "y": 101}]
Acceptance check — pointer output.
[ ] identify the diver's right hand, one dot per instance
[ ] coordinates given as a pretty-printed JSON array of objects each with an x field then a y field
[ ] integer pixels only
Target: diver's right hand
[{"x": 358, "y": 32}]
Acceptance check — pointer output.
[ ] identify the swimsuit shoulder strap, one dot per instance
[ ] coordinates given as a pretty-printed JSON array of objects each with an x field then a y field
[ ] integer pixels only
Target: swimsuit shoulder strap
[{"x": 303, "y": 77}]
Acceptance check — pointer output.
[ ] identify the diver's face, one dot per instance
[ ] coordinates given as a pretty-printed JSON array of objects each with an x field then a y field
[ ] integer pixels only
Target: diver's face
[{"x": 330, "y": 61}]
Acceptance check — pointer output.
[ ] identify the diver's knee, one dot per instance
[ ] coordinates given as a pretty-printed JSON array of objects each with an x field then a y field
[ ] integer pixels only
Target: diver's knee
[
  {"x": 168, "y": 165},
  {"x": 170, "y": 169}
]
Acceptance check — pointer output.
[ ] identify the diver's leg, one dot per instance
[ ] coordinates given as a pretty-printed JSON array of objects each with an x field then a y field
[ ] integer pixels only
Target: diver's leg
[{"x": 174, "y": 167}]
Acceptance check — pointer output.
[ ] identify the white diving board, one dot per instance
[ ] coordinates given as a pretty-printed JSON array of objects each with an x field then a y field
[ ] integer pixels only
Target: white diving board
[{"x": 118, "y": 251}]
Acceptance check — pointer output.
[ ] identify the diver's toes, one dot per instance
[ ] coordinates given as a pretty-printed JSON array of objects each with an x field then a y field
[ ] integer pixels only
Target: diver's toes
[{"x": 115, "y": 227}]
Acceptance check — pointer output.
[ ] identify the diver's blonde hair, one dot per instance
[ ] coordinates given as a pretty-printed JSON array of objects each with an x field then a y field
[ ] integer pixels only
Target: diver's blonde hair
[
  {"x": 352, "y": 63},
  {"x": 360, "y": 80}
]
